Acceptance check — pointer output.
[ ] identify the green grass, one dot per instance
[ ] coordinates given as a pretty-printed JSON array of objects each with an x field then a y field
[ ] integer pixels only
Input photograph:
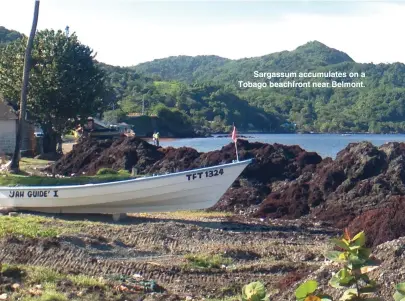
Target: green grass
[
  {"x": 207, "y": 261},
  {"x": 40, "y": 275},
  {"x": 48, "y": 295},
  {"x": 33, "y": 226},
  {"x": 200, "y": 214},
  {"x": 24, "y": 162},
  {"x": 48, "y": 279},
  {"x": 110, "y": 171},
  {"x": 86, "y": 281},
  {"x": 37, "y": 275},
  {"x": 22, "y": 180},
  {"x": 29, "y": 164},
  {"x": 233, "y": 298},
  {"x": 187, "y": 214},
  {"x": 27, "y": 226}
]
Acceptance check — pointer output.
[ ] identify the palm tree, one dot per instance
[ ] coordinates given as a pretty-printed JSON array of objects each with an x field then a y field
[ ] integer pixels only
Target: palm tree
[{"x": 15, "y": 162}]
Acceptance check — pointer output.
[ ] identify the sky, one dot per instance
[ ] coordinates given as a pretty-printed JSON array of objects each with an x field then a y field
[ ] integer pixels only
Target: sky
[{"x": 129, "y": 32}]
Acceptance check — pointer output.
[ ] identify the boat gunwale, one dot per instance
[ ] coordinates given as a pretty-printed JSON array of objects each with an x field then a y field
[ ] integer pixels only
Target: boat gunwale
[{"x": 121, "y": 182}]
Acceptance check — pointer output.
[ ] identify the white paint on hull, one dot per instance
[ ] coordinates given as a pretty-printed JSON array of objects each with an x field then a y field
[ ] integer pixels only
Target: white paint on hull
[{"x": 193, "y": 189}]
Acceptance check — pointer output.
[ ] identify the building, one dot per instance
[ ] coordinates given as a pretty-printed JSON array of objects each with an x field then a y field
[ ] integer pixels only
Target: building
[
  {"x": 8, "y": 131},
  {"x": 8, "y": 128}
]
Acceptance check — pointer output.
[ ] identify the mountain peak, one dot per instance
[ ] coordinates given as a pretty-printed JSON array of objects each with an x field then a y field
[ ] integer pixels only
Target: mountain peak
[
  {"x": 312, "y": 44},
  {"x": 328, "y": 55}
]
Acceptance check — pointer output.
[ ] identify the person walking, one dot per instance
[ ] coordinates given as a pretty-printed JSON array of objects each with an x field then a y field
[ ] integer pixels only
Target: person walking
[{"x": 157, "y": 138}]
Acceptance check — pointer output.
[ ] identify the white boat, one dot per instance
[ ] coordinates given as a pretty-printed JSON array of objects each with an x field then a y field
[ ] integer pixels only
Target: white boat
[{"x": 187, "y": 190}]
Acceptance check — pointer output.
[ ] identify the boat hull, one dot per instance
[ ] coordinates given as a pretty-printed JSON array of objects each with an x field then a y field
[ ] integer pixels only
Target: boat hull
[{"x": 193, "y": 189}]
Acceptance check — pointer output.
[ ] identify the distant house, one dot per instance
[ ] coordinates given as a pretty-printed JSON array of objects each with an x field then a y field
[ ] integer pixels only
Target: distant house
[{"x": 8, "y": 131}]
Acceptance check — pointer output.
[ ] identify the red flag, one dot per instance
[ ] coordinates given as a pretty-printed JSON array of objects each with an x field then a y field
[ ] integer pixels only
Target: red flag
[{"x": 234, "y": 133}]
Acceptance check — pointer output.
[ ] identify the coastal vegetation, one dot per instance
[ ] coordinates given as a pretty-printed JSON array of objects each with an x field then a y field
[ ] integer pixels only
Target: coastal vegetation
[
  {"x": 376, "y": 108},
  {"x": 181, "y": 108}
]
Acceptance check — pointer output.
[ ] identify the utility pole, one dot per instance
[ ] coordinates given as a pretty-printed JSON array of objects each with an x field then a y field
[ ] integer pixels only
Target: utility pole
[
  {"x": 67, "y": 31},
  {"x": 15, "y": 162}
]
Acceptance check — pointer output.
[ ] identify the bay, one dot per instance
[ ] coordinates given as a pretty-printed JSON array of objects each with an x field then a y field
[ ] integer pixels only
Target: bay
[{"x": 326, "y": 145}]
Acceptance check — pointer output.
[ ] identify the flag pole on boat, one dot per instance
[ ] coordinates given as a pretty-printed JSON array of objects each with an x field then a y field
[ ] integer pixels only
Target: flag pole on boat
[{"x": 235, "y": 139}]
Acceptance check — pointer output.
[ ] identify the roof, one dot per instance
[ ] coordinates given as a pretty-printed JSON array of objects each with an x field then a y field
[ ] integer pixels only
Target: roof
[{"x": 6, "y": 112}]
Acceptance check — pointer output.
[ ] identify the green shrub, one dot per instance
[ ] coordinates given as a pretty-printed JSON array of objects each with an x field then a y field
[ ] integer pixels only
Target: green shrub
[
  {"x": 124, "y": 172},
  {"x": 106, "y": 171}
]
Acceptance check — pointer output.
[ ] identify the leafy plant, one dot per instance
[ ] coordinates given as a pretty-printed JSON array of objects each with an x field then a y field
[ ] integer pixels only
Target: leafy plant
[
  {"x": 305, "y": 292},
  {"x": 356, "y": 263},
  {"x": 254, "y": 291},
  {"x": 400, "y": 292}
]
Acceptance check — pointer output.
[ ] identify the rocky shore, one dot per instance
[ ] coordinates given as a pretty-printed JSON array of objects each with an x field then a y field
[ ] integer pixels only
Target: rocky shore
[
  {"x": 362, "y": 188},
  {"x": 287, "y": 197}
]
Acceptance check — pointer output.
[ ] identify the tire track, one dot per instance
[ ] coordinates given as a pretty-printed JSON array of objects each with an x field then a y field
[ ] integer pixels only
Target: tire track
[{"x": 156, "y": 252}]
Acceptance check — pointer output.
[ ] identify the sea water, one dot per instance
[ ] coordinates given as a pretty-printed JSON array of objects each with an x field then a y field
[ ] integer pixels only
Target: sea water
[{"x": 326, "y": 145}]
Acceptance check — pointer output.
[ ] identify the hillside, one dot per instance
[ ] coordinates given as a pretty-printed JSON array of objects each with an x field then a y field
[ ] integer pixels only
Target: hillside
[
  {"x": 181, "y": 108},
  {"x": 378, "y": 107},
  {"x": 203, "y": 68},
  {"x": 183, "y": 68}
]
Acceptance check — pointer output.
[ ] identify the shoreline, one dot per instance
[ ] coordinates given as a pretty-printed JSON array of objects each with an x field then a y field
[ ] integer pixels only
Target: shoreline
[{"x": 265, "y": 133}]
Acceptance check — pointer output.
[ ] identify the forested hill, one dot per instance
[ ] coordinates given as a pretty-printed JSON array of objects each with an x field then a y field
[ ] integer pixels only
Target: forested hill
[
  {"x": 378, "y": 107},
  {"x": 203, "y": 68},
  {"x": 182, "y": 108},
  {"x": 183, "y": 68}
]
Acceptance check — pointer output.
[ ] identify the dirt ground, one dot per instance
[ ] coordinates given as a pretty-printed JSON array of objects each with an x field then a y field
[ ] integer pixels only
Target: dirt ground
[{"x": 160, "y": 247}]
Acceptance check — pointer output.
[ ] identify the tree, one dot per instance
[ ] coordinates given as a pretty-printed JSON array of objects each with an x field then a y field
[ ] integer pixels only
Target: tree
[
  {"x": 15, "y": 161},
  {"x": 66, "y": 83},
  {"x": 7, "y": 36}
]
